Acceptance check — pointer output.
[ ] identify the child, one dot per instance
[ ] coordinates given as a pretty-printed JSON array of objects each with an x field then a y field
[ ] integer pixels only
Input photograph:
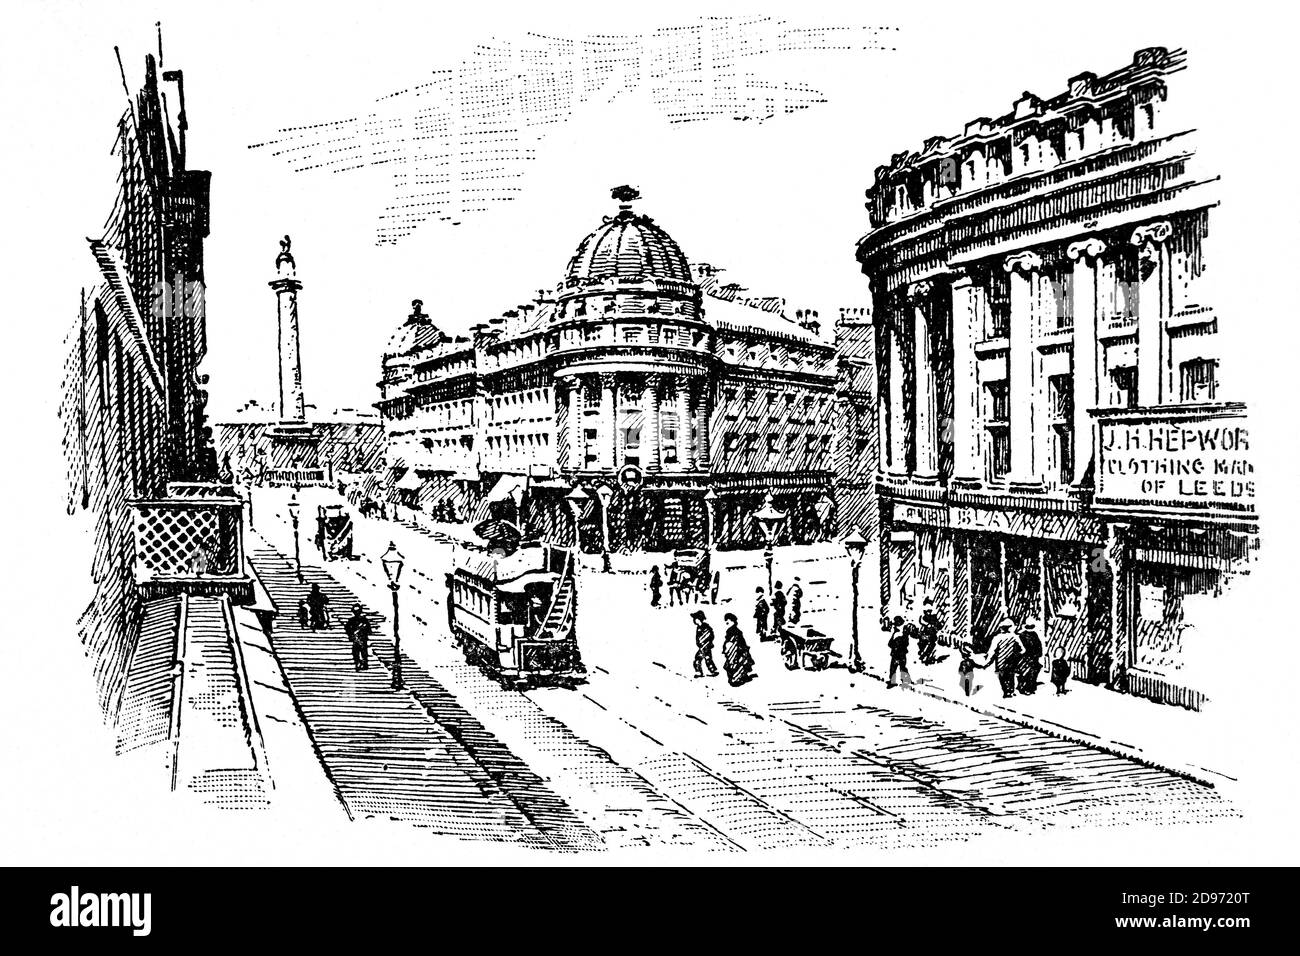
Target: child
[
  {"x": 1060, "y": 669},
  {"x": 302, "y": 615},
  {"x": 966, "y": 669}
]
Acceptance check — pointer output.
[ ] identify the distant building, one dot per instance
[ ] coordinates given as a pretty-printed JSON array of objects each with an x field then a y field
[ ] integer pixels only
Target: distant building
[
  {"x": 856, "y": 444},
  {"x": 672, "y": 411},
  {"x": 1055, "y": 441}
]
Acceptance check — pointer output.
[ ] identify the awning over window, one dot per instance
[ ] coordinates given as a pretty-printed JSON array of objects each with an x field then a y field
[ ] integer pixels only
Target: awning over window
[{"x": 505, "y": 487}]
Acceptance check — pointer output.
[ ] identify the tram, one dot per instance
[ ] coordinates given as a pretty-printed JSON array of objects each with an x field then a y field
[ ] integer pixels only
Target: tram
[{"x": 514, "y": 614}]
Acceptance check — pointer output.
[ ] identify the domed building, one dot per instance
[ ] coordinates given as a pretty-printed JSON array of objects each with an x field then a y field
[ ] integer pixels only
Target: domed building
[{"x": 670, "y": 405}]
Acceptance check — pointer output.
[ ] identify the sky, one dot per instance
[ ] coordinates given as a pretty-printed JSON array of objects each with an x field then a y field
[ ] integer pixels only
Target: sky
[{"x": 778, "y": 203}]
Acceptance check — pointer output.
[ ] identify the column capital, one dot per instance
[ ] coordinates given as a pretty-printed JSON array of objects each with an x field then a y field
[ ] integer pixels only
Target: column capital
[
  {"x": 1090, "y": 248},
  {"x": 918, "y": 291},
  {"x": 1153, "y": 233},
  {"x": 1027, "y": 261}
]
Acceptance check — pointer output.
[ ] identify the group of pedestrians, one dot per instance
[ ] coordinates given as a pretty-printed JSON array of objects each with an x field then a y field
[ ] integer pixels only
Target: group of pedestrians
[
  {"x": 1015, "y": 654},
  {"x": 737, "y": 660},
  {"x": 771, "y": 616},
  {"x": 313, "y": 614}
]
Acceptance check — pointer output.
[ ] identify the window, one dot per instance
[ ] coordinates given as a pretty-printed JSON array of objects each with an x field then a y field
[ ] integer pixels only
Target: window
[
  {"x": 998, "y": 323},
  {"x": 668, "y": 428},
  {"x": 1060, "y": 402},
  {"x": 1123, "y": 387},
  {"x": 771, "y": 444},
  {"x": 1062, "y": 282},
  {"x": 1117, "y": 290},
  {"x": 997, "y": 423},
  {"x": 1198, "y": 380}
]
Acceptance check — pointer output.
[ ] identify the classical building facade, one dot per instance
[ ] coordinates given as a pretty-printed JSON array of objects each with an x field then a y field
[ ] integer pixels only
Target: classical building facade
[
  {"x": 1055, "y": 443},
  {"x": 672, "y": 411}
]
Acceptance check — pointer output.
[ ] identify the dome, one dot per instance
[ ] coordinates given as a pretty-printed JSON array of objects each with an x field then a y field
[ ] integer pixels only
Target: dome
[
  {"x": 628, "y": 246},
  {"x": 416, "y": 333}
]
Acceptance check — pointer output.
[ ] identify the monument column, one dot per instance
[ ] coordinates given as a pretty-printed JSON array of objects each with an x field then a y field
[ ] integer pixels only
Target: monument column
[{"x": 286, "y": 286}]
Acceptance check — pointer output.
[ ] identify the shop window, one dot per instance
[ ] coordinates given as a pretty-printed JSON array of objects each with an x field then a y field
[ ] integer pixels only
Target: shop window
[{"x": 1198, "y": 380}]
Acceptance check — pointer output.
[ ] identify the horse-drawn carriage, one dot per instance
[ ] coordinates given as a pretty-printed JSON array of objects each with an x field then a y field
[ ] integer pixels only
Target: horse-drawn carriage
[
  {"x": 693, "y": 572},
  {"x": 334, "y": 532}
]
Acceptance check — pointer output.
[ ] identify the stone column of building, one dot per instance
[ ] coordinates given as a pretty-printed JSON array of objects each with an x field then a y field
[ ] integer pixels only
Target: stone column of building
[
  {"x": 684, "y": 423},
  {"x": 564, "y": 428},
  {"x": 1117, "y": 561},
  {"x": 287, "y": 286},
  {"x": 924, "y": 402},
  {"x": 620, "y": 431},
  {"x": 1153, "y": 269},
  {"x": 1025, "y": 271},
  {"x": 650, "y": 431},
  {"x": 702, "y": 424},
  {"x": 969, "y": 302},
  {"x": 577, "y": 445},
  {"x": 897, "y": 401},
  {"x": 1084, "y": 254},
  {"x": 607, "y": 456}
]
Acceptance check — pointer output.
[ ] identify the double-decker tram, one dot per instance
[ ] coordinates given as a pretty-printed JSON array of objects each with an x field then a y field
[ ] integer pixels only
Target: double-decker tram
[{"x": 514, "y": 612}]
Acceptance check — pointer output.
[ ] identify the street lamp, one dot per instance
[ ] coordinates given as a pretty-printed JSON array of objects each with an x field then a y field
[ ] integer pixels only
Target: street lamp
[
  {"x": 856, "y": 546},
  {"x": 769, "y": 521},
  {"x": 392, "y": 562},
  {"x": 576, "y": 499},
  {"x": 710, "y": 499},
  {"x": 293, "y": 518}
]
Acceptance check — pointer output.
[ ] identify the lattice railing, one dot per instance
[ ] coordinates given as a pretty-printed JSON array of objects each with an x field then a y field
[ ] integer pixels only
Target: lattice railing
[{"x": 193, "y": 538}]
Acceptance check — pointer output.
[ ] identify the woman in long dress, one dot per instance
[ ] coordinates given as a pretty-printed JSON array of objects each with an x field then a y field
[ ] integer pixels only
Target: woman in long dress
[{"x": 736, "y": 659}]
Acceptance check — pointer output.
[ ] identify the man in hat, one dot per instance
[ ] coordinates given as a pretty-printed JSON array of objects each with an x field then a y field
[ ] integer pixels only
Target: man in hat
[
  {"x": 1031, "y": 657},
  {"x": 760, "y": 615},
  {"x": 1005, "y": 656},
  {"x": 899, "y": 641},
  {"x": 796, "y": 600},
  {"x": 703, "y": 646},
  {"x": 930, "y": 625},
  {"x": 359, "y": 629}
]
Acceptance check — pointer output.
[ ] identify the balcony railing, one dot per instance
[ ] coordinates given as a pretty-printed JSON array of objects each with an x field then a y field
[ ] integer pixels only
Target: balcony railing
[{"x": 191, "y": 544}]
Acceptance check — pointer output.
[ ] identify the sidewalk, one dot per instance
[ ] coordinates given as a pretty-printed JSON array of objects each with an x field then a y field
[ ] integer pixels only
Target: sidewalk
[{"x": 1157, "y": 735}]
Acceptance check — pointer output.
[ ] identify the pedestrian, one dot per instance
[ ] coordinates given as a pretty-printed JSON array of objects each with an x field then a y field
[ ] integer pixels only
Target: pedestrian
[
  {"x": 714, "y": 586},
  {"x": 304, "y": 620},
  {"x": 899, "y": 640},
  {"x": 966, "y": 668},
  {"x": 703, "y": 646},
  {"x": 656, "y": 585},
  {"x": 674, "y": 585},
  {"x": 761, "y": 611},
  {"x": 358, "y": 629},
  {"x": 778, "y": 609},
  {"x": 1031, "y": 657},
  {"x": 1060, "y": 670},
  {"x": 930, "y": 626},
  {"x": 316, "y": 604},
  {"x": 1006, "y": 656},
  {"x": 605, "y": 565},
  {"x": 319, "y": 539},
  {"x": 796, "y": 600},
  {"x": 736, "y": 659}
]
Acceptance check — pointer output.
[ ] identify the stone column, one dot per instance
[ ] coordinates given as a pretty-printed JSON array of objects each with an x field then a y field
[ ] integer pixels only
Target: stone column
[
  {"x": 608, "y": 408},
  {"x": 1117, "y": 560},
  {"x": 702, "y": 424},
  {"x": 650, "y": 431},
  {"x": 969, "y": 302},
  {"x": 1153, "y": 293},
  {"x": 577, "y": 444},
  {"x": 897, "y": 401},
  {"x": 1085, "y": 254},
  {"x": 1025, "y": 271},
  {"x": 925, "y": 403},
  {"x": 287, "y": 287},
  {"x": 683, "y": 423}
]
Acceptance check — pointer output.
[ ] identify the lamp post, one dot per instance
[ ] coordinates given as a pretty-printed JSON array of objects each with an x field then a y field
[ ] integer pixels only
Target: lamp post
[
  {"x": 393, "y": 562},
  {"x": 856, "y": 546},
  {"x": 294, "y": 507},
  {"x": 710, "y": 499},
  {"x": 576, "y": 499},
  {"x": 769, "y": 522}
]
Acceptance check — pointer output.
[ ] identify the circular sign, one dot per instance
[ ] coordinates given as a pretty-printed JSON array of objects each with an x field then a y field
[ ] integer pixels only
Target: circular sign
[{"x": 629, "y": 476}]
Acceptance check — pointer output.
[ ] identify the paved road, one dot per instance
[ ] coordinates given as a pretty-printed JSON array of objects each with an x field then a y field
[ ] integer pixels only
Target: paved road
[{"x": 646, "y": 754}]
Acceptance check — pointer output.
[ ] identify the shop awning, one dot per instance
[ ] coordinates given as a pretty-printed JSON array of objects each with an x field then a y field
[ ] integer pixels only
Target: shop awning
[{"x": 506, "y": 486}]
